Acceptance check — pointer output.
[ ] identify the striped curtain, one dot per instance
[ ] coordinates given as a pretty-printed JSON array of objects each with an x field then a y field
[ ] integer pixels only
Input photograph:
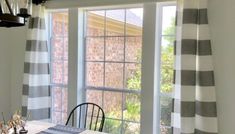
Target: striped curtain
[
  {"x": 36, "y": 101},
  {"x": 194, "y": 101}
]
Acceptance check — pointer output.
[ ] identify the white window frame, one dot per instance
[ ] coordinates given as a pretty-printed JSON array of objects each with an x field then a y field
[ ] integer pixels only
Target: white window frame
[
  {"x": 76, "y": 78},
  {"x": 117, "y": 90},
  {"x": 150, "y": 103},
  {"x": 151, "y": 67},
  {"x": 160, "y": 7}
]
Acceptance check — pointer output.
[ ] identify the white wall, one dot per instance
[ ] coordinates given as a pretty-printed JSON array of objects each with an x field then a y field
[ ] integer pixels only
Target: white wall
[
  {"x": 222, "y": 22},
  {"x": 12, "y": 44},
  {"x": 17, "y": 66},
  {"x": 5, "y": 71}
]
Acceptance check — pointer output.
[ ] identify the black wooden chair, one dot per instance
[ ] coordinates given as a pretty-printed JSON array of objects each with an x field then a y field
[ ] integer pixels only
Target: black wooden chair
[{"x": 89, "y": 116}]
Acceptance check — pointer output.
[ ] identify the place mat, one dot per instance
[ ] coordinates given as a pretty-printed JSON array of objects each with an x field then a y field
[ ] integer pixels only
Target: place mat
[{"x": 60, "y": 129}]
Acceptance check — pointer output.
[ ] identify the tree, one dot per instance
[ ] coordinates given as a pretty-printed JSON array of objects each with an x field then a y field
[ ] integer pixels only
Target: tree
[
  {"x": 167, "y": 75},
  {"x": 167, "y": 58},
  {"x": 167, "y": 61}
]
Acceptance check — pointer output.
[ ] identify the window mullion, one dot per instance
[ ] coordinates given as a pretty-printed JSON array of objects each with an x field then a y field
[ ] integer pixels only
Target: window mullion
[
  {"x": 137, "y": 91},
  {"x": 150, "y": 59}
]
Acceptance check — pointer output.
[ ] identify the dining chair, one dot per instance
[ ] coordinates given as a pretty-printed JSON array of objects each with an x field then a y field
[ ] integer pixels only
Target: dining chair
[{"x": 89, "y": 116}]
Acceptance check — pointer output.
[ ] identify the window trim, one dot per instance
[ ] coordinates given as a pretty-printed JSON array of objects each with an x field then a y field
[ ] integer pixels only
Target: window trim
[
  {"x": 149, "y": 104},
  {"x": 151, "y": 51},
  {"x": 76, "y": 55}
]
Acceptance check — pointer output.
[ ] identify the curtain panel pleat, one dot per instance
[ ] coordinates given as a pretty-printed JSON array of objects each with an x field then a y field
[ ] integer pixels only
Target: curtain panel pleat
[
  {"x": 194, "y": 101},
  {"x": 36, "y": 95}
]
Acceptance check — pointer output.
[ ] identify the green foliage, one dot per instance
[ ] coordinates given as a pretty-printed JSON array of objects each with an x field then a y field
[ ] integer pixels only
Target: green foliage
[
  {"x": 112, "y": 126},
  {"x": 134, "y": 81},
  {"x": 167, "y": 58},
  {"x": 133, "y": 100},
  {"x": 167, "y": 76},
  {"x": 170, "y": 30},
  {"x": 167, "y": 62},
  {"x": 131, "y": 128},
  {"x": 167, "y": 68},
  {"x": 132, "y": 111},
  {"x": 132, "y": 105},
  {"x": 166, "y": 111}
]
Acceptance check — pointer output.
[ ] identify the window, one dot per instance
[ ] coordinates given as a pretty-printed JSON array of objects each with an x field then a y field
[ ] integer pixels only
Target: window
[
  {"x": 112, "y": 60},
  {"x": 113, "y": 66},
  {"x": 59, "y": 65},
  {"x": 166, "y": 38}
]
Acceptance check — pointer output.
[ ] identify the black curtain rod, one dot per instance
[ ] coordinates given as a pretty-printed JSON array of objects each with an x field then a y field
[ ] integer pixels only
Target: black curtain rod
[{"x": 39, "y": 1}]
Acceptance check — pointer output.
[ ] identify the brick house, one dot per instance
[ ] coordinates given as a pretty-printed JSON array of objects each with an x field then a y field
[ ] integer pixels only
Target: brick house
[{"x": 116, "y": 29}]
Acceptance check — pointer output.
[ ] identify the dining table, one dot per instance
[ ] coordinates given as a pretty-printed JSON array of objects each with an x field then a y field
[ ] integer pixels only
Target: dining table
[{"x": 39, "y": 127}]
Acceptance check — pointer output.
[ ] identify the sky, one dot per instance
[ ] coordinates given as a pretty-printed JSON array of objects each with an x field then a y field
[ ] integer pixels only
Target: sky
[
  {"x": 167, "y": 14},
  {"x": 138, "y": 12}
]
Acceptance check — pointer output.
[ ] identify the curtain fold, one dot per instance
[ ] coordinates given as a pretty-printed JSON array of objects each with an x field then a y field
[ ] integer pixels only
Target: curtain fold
[
  {"x": 36, "y": 95},
  {"x": 194, "y": 101}
]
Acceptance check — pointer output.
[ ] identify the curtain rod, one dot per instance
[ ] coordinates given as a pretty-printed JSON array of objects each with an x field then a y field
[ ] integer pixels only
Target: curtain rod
[{"x": 38, "y": 1}]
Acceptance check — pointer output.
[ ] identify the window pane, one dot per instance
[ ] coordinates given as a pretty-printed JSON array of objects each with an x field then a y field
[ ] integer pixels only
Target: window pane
[
  {"x": 57, "y": 117},
  {"x": 94, "y": 96},
  {"x": 66, "y": 26},
  {"x": 66, "y": 48},
  {"x": 168, "y": 40},
  {"x": 59, "y": 23},
  {"x": 114, "y": 75},
  {"x": 165, "y": 130},
  {"x": 131, "y": 111},
  {"x": 112, "y": 126},
  {"x": 167, "y": 64},
  {"x": 95, "y": 49},
  {"x": 166, "y": 108},
  {"x": 64, "y": 100},
  {"x": 57, "y": 72},
  {"x": 95, "y": 74},
  {"x": 133, "y": 49},
  {"x": 131, "y": 128},
  {"x": 113, "y": 104},
  {"x": 95, "y": 23},
  {"x": 60, "y": 104},
  {"x": 132, "y": 76},
  {"x": 59, "y": 66},
  {"x": 65, "y": 72},
  {"x": 134, "y": 20},
  {"x": 57, "y": 48},
  {"x": 57, "y": 98},
  {"x": 114, "y": 49},
  {"x": 64, "y": 117},
  {"x": 121, "y": 50},
  {"x": 168, "y": 20},
  {"x": 115, "y": 20}
]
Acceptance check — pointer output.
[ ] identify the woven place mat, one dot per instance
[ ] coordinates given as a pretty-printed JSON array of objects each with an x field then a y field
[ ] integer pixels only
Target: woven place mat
[{"x": 60, "y": 129}]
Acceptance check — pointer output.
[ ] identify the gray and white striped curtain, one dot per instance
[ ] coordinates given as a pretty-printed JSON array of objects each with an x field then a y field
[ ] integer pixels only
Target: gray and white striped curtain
[
  {"x": 36, "y": 99},
  {"x": 194, "y": 101}
]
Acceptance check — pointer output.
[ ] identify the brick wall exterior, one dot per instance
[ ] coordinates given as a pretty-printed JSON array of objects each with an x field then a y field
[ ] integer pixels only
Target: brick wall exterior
[{"x": 114, "y": 51}]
